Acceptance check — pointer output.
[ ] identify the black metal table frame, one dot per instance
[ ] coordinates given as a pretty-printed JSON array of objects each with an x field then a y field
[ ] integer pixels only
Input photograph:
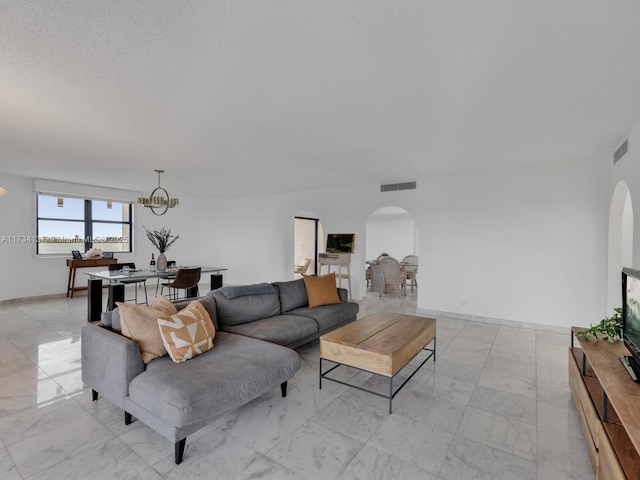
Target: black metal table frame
[{"x": 392, "y": 393}]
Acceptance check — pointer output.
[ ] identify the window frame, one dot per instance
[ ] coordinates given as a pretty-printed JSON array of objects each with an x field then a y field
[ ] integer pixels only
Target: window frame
[{"x": 88, "y": 222}]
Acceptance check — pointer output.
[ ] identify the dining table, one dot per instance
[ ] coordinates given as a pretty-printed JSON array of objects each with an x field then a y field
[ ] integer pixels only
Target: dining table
[{"x": 116, "y": 287}]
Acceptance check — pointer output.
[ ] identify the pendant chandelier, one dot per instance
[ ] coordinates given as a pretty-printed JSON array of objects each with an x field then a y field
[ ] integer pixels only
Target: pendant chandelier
[{"x": 159, "y": 201}]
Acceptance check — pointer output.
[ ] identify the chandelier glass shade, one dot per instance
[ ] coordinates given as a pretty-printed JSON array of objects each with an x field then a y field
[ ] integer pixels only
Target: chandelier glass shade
[{"x": 159, "y": 201}]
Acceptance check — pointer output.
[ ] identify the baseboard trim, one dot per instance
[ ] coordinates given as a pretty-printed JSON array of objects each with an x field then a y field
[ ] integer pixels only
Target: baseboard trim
[
  {"x": 36, "y": 298},
  {"x": 494, "y": 321}
]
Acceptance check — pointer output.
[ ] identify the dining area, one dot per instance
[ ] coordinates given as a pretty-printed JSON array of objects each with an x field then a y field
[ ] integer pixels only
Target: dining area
[
  {"x": 176, "y": 278},
  {"x": 388, "y": 275}
]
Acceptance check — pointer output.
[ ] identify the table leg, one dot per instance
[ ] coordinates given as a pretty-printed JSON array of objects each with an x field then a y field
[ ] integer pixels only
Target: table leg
[
  {"x": 94, "y": 300},
  {"x": 71, "y": 269},
  {"x": 116, "y": 294},
  {"x": 191, "y": 292},
  {"x": 434, "y": 349},
  {"x": 73, "y": 281},
  {"x": 216, "y": 281}
]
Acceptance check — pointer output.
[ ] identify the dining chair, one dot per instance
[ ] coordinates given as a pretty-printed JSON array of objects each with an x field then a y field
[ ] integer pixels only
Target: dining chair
[
  {"x": 114, "y": 267},
  {"x": 393, "y": 278},
  {"x": 169, "y": 276},
  {"x": 411, "y": 269},
  {"x": 374, "y": 274},
  {"x": 376, "y": 277},
  {"x": 186, "y": 278}
]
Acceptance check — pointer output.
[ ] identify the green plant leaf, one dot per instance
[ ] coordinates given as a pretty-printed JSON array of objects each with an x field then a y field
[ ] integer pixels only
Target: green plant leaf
[{"x": 608, "y": 326}]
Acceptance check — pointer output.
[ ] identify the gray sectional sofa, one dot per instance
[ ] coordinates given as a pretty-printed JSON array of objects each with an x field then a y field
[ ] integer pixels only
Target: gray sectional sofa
[
  {"x": 257, "y": 326},
  {"x": 281, "y": 316}
]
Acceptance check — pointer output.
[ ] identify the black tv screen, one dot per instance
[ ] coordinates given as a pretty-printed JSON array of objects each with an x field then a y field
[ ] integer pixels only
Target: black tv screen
[
  {"x": 631, "y": 310},
  {"x": 340, "y": 242}
]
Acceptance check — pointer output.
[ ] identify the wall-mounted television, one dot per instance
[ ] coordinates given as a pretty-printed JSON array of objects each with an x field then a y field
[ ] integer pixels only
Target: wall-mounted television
[
  {"x": 631, "y": 320},
  {"x": 340, "y": 242}
]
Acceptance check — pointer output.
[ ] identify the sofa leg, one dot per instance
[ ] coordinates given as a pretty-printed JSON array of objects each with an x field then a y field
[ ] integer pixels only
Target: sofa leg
[
  {"x": 179, "y": 450},
  {"x": 283, "y": 389},
  {"x": 127, "y": 418},
  {"x": 94, "y": 395}
]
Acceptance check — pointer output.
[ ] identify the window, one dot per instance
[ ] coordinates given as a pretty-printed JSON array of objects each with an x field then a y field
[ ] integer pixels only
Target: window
[{"x": 68, "y": 223}]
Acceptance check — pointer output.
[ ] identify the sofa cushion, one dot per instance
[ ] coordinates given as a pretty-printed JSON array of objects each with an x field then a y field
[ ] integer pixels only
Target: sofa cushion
[
  {"x": 140, "y": 324},
  {"x": 187, "y": 333},
  {"x": 292, "y": 294},
  {"x": 248, "y": 308},
  {"x": 235, "y": 291},
  {"x": 236, "y": 371},
  {"x": 107, "y": 319},
  {"x": 209, "y": 304},
  {"x": 329, "y": 316},
  {"x": 322, "y": 290},
  {"x": 281, "y": 329}
]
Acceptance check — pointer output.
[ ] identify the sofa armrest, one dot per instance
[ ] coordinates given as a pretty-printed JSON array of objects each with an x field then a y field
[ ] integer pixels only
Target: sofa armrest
[
  {"x": 109, "y": 362},
  {"x": 343, "y": 293}
]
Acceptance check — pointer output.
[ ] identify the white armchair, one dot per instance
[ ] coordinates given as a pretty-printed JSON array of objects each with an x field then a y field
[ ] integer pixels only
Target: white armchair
[{"x": 302, "y": 267}]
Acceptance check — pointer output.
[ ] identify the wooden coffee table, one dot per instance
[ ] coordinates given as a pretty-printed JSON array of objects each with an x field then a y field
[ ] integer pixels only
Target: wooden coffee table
[{"x": 382, "y": 343}]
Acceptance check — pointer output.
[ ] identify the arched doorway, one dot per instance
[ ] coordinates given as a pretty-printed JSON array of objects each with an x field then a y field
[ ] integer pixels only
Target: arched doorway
[
  {"x": 391, "y": 230},
  {"x": 620, "y": 242}
]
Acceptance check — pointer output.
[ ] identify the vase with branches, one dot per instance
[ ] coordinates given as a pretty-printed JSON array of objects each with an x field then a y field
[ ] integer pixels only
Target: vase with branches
[{"x": 162, "y": 240}]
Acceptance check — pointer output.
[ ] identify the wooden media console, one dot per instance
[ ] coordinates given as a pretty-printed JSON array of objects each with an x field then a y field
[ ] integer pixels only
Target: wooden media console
[{"x": 608, "y": 405}]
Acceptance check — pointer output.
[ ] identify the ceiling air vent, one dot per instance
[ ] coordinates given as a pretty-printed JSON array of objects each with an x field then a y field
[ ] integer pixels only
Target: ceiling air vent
[
  {"x": 619, "y": 153},
  {"x": 392, "y": 187}
]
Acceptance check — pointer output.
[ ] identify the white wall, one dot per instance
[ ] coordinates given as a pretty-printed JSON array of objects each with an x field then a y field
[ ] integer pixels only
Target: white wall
[
  {"x": 26, "y": 275},
  {"x": 526, "y": 244},
  {"x": 390, "y": 233},
  {"x": 627, "y": 169}
]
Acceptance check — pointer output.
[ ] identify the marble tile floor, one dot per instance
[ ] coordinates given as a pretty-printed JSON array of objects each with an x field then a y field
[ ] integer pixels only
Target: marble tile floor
[{"x": 495, "y": 406}]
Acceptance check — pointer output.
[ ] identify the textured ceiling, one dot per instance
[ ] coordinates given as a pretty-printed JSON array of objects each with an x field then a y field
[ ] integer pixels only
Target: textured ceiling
[{"x": 235, "y": 97}]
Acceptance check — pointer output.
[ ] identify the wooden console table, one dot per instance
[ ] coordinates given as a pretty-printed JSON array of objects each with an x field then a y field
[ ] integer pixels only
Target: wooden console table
[
  {"x": 339, "y": 260},
  {"x": 608, "y": 405},
  {"x": 83, "y": 263}
]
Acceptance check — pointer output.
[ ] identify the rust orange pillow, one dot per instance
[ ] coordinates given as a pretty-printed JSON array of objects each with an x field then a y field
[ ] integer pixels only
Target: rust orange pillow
[
  {"x": 322, "y": 290},
  {"x": 187, "y": 333}
]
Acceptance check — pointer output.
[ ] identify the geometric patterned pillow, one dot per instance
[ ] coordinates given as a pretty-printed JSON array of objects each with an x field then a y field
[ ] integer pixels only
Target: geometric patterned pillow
[
  {"x": 187, "y": 333},
  {"x": 205, "y": 314}
]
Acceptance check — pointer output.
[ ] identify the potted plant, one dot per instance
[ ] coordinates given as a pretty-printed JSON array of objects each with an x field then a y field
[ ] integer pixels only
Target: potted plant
[
  {"x": 162, "y": 240},
  {"x": 609, "y": 327}
]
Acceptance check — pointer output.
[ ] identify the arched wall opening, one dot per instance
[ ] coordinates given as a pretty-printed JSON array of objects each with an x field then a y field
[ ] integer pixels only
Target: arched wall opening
[
  {"x": 620, "y": 242},
  {"x": 391, "y": 230}
]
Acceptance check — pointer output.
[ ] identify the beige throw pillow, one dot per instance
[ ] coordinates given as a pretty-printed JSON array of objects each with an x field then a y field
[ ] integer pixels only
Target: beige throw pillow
[
  {"x": 187, "y": 333},
  {"x": 140, "y": 324}
]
